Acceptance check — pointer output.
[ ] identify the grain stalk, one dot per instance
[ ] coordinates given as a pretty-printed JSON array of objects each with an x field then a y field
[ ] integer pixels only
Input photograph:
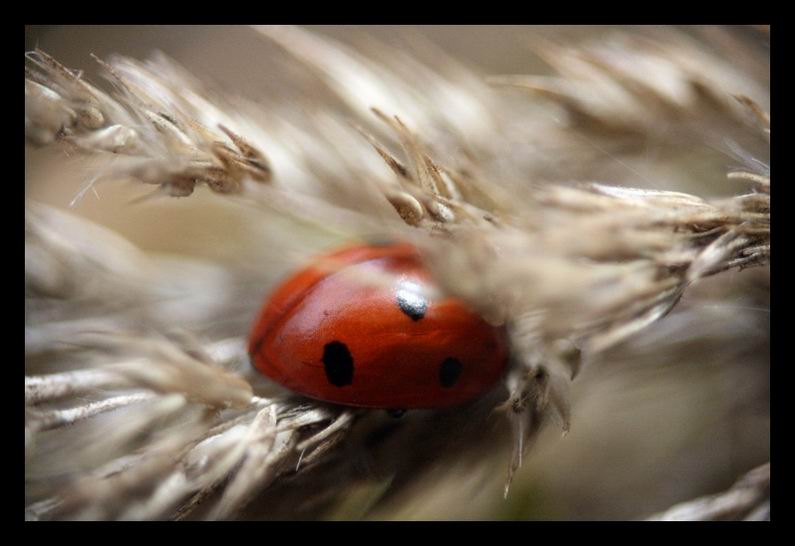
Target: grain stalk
[{"x": 180, "y": 427}]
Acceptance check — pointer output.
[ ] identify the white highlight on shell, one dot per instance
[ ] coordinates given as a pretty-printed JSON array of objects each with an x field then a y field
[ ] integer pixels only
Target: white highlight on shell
[{"x": 411, "y": 297}]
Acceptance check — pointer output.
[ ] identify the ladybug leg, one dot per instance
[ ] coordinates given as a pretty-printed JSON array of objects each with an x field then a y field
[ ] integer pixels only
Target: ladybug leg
[{"x": 396, "y": 413}]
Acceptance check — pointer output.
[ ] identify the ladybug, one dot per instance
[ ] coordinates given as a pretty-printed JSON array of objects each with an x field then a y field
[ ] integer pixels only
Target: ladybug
[{"x": 362, "y": 326}]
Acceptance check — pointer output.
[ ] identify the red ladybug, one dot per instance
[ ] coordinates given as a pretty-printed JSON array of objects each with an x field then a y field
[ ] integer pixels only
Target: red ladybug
[{"x": 360, "y": 327}]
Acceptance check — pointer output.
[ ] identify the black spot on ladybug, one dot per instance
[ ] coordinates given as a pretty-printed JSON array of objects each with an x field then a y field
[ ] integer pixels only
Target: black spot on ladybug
[
  {"x": 338, "y": 363},
  {"x": 411, "y": 301},
  {"x": 449, "y": 372}
]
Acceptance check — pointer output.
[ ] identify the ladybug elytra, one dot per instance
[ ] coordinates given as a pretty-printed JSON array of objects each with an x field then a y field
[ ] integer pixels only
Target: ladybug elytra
[{"x": 363, "y": 326}]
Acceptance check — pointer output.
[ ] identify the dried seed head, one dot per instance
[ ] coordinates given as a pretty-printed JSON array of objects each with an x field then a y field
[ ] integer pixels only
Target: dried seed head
[{"x": 164, "y": 427}]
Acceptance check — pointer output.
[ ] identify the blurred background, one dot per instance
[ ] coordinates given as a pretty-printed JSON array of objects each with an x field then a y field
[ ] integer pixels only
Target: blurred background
[{"x": 679, "y": 412}]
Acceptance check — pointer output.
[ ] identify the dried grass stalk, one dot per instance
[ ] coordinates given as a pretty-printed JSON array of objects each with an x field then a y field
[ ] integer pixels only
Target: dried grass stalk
[
  {"x": 746, "y": 500},
  {"x": 572, "y": 269}
]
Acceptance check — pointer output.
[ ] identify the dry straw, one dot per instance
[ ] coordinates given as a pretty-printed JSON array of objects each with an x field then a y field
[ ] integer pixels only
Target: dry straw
[{"x": 137, "y": 409}]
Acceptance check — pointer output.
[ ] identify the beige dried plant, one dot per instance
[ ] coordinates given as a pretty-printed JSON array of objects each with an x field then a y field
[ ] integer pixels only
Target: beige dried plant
[{"x": 140, "y": 401}]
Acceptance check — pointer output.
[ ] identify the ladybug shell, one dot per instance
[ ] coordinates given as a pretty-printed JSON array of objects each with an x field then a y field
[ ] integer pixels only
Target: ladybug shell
[{"x": 359, "y": 327}]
